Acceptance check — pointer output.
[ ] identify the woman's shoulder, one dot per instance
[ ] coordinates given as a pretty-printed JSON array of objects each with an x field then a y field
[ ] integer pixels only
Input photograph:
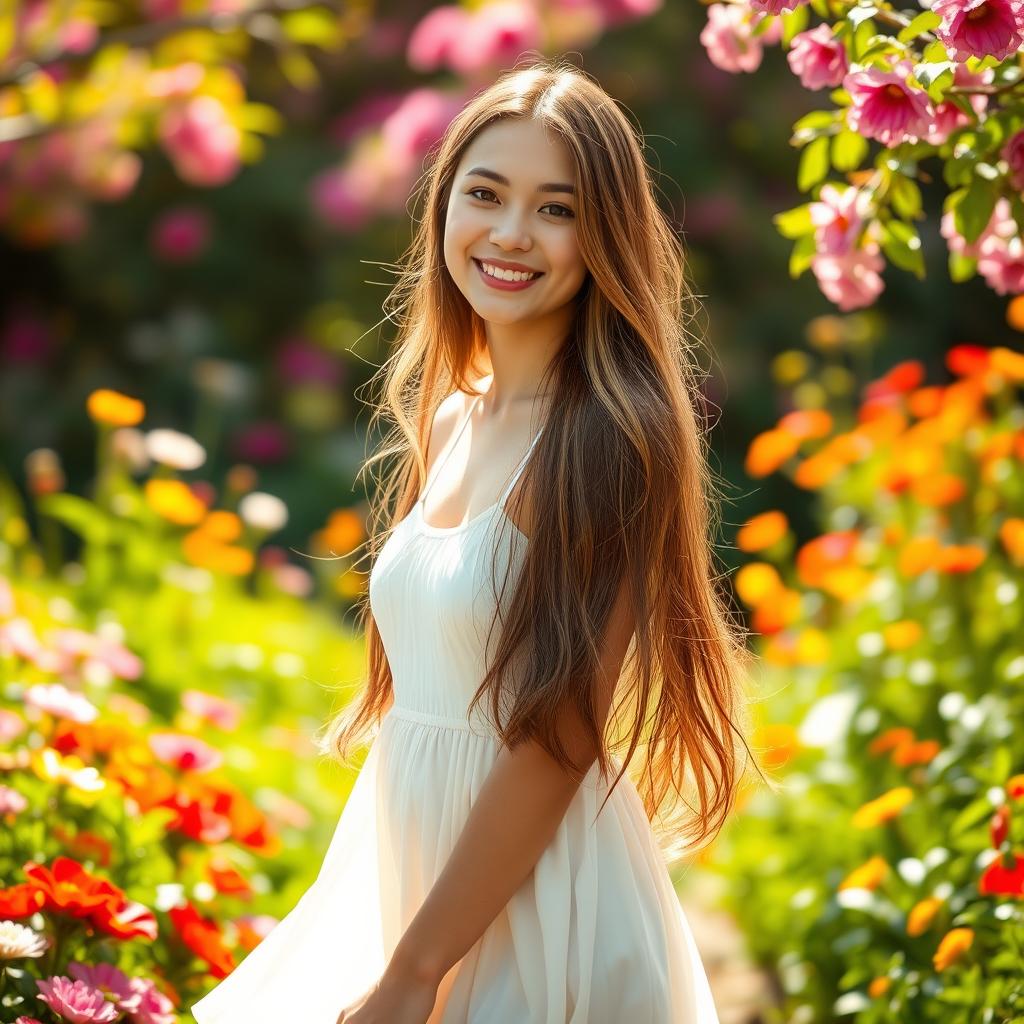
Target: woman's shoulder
[{"x": 447, "y": 417}]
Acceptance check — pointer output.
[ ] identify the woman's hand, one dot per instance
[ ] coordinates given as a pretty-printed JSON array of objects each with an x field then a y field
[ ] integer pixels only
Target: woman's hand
[{"x": 390, "y": 1002}]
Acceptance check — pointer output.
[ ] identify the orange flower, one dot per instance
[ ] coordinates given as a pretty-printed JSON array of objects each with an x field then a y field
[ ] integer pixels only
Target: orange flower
[
  {"x": 1011, "y": 535},
  {"x": 891, "y": 739},
  {"x": 769, "y": 450},
  {"x": 919, "y": 555},
  {"x": 921, "y": 915},
  {"x": 777, "y": 744},
  {"x": 939, "y": 490},
  {"x": 114, "y": 409},
  {"x": 1015, "y": 786},
  {"x": 1008, "y": 364},
  {"x": 807, "y": 423},
  {"x": 924, "y": 401},
  {"x": 879, "y": 986},
  {"x": 922, "y": 752},
  {"x": 884, "y": 808},
  {"x": 344, "y": 530},
  {"x": 762, "y": 531},
  {"x": 816, "y": 471},
  {"x": 781, "y": 611},
  {"x": 174, "y": 501},
  {"x": 824, "y": 554},
  {"x": 960, "y": 557},
  {"x": 203, "y": 550},
  {"x": 222, "y": 525},
  {"x": 869, "y": 875},
  {"x": 953, "y": 945},
  {"x": 901, "y": 635}
]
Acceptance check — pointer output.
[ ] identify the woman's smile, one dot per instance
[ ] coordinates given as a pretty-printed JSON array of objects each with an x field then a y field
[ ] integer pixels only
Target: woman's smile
[{"x": 501, "y": 285}]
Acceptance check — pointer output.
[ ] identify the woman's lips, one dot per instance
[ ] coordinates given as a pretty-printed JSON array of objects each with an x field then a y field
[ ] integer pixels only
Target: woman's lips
[{"x": 505, "y": 286}]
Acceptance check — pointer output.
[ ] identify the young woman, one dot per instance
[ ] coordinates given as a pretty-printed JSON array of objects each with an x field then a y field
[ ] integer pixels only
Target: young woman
[{"x": 542, "y": 594}]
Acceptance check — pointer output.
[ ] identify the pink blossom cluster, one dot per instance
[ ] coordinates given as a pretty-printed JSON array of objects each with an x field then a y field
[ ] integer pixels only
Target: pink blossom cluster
[
  {"x": 979, "y": 28},
  {"x": 101, "y": 993},
  {"x": 729, "y": 39},
  {"x": 999, "y": 250},
  {"x": 68, "y": 652},
  {"x": 847, "y": 267}
]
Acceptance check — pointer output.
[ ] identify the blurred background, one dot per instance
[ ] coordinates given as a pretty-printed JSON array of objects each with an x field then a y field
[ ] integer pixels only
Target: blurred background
[{"x": 199, "y": 203}]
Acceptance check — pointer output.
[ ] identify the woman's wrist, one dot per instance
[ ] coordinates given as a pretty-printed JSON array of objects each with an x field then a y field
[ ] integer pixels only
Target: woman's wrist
[{"x": 409, "y": 965}]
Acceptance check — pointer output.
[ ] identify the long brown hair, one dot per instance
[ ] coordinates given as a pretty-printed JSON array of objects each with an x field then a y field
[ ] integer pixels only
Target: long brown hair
[{"x": 623, "y": 457}]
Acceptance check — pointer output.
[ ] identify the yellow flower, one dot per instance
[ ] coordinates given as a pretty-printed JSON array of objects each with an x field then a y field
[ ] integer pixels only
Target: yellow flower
[
  {"x": 175, "y": 501},
  {"x": 869, "y": 875},
  {"x": 901, "y": 635},
  {"x": 879, "y": 986},
  {"x": 953, "y": 945},
  {"x": 922, "y": 914},
  {"x": 756, "y": 582},
  {"x": 49, "y": 764},
  {"x": 883, "y": 808},
  {"x": 115, "y": 409}
]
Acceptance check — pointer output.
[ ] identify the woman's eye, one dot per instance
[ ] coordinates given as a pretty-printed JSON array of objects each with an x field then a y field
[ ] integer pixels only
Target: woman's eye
[{"x": 565, "y": 212}]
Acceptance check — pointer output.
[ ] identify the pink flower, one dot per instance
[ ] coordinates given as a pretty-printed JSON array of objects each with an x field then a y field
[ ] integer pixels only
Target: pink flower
[
  {"x": 201, "y": 140},
  {"x": 976, "y": 28},
  {"x": 838, "y": 217},
  {"x": 851, "y": 280},
  {"x": 180, "y": 235},
  {"x": 11, "y": 801},
  {"x": 153, "y": 1006},
  {"x": 496, "y": 35},
  {"x": 434, "y": 37},
  {"x": 223, "y": 713},
  {"x": 1003, "y": 267},
  {"x": 57, "y": 700},
  {"x": 413, "y": 127},
  {"x": 186, "y": 753},
  {"x": 108, "y": 979},
  {"x": 12, "y": 725},
  {"x": 1013, "y": 153},
  {"x": 948, "y": 116},
  {"x": 729, "y": 40},
  {"x": 775, "y": 6},
  {"x": 76, "y": 1002},
  {"x": 1000, "y": 224},
  {"x": 26, "y": 1020},
  {"x": 18, "y": 636},
  {"x": 817, "y": 58},
  {"x": 885, "y": 107}
]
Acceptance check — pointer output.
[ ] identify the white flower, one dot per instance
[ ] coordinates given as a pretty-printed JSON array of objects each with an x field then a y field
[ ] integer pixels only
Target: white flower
[
  {"x": 17, "y": 941},
  {"x": 263, "y": 511},
  {"x": 174, "y": 449}
]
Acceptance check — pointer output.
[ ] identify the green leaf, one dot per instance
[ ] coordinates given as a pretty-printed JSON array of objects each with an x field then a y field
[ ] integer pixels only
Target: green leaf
[
  {"x": 974, "y": 210},
  {"x": 814, "y": 164},
  {"x": 905, "y": 197},
  {"x": 848, "y": 150},
  {"x": 961, "y": 268},
  {"x": 78, "y": 515},
  {"x": 794, "y": 223},
  {"x": 815, "y": 121},
  {"x": 924, "y": 22},
  {"x": 315, "y": 26},
  {"x": 973, "y": 814},
  {"x": 803, "y": 253},
  {"x": 794, "y": 22},
  {"x": 902, "y": 245}
]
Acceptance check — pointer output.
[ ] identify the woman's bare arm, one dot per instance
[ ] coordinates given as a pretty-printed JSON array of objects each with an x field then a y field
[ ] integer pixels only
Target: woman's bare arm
[{"x": 515, "y": 816}]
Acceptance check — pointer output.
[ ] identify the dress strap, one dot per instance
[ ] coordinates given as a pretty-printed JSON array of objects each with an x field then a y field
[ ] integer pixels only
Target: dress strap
[
  {"x": 448, "y": 449},
  {"x": 518, "y": 470}
]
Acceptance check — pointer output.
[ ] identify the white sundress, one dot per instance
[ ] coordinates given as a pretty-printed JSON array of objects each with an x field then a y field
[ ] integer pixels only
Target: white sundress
[{"x": 595, "y": 935}]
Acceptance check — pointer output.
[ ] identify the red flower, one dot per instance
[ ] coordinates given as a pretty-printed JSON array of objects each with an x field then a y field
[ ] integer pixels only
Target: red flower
[
  {"x": 997, "y": 880},
  {"x": 204, "y": 938},
  {"x": 20, "y": 900},
  {"x": 999, "y": 827},
  {"x": 68, "y": 888}
]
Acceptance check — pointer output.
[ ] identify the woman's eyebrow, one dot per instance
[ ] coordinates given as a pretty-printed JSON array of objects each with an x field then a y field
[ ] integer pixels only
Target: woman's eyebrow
[{"x": 483, "y": 172}]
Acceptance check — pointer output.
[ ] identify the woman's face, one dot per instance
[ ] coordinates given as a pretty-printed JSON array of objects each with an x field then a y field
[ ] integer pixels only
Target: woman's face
[{"x": 528, "y": 218}]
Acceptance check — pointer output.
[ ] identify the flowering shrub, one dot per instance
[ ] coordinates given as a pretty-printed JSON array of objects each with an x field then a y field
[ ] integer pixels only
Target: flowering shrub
[
  {"x": 144, "y": 850},
  {"x": 938, "y": 86},
  {"x": 883, "y": 881}
]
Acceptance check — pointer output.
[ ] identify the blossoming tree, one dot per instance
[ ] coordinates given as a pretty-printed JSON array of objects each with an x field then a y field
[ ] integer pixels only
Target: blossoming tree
[{"x": 929, "y": 88}]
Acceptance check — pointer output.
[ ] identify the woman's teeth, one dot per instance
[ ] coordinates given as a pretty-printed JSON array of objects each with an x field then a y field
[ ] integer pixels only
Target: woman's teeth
[{"x": 506, "y": 275}]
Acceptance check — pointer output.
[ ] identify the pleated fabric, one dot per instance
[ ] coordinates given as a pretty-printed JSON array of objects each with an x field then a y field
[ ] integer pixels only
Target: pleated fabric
[{"x": 595, "y": 935}]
